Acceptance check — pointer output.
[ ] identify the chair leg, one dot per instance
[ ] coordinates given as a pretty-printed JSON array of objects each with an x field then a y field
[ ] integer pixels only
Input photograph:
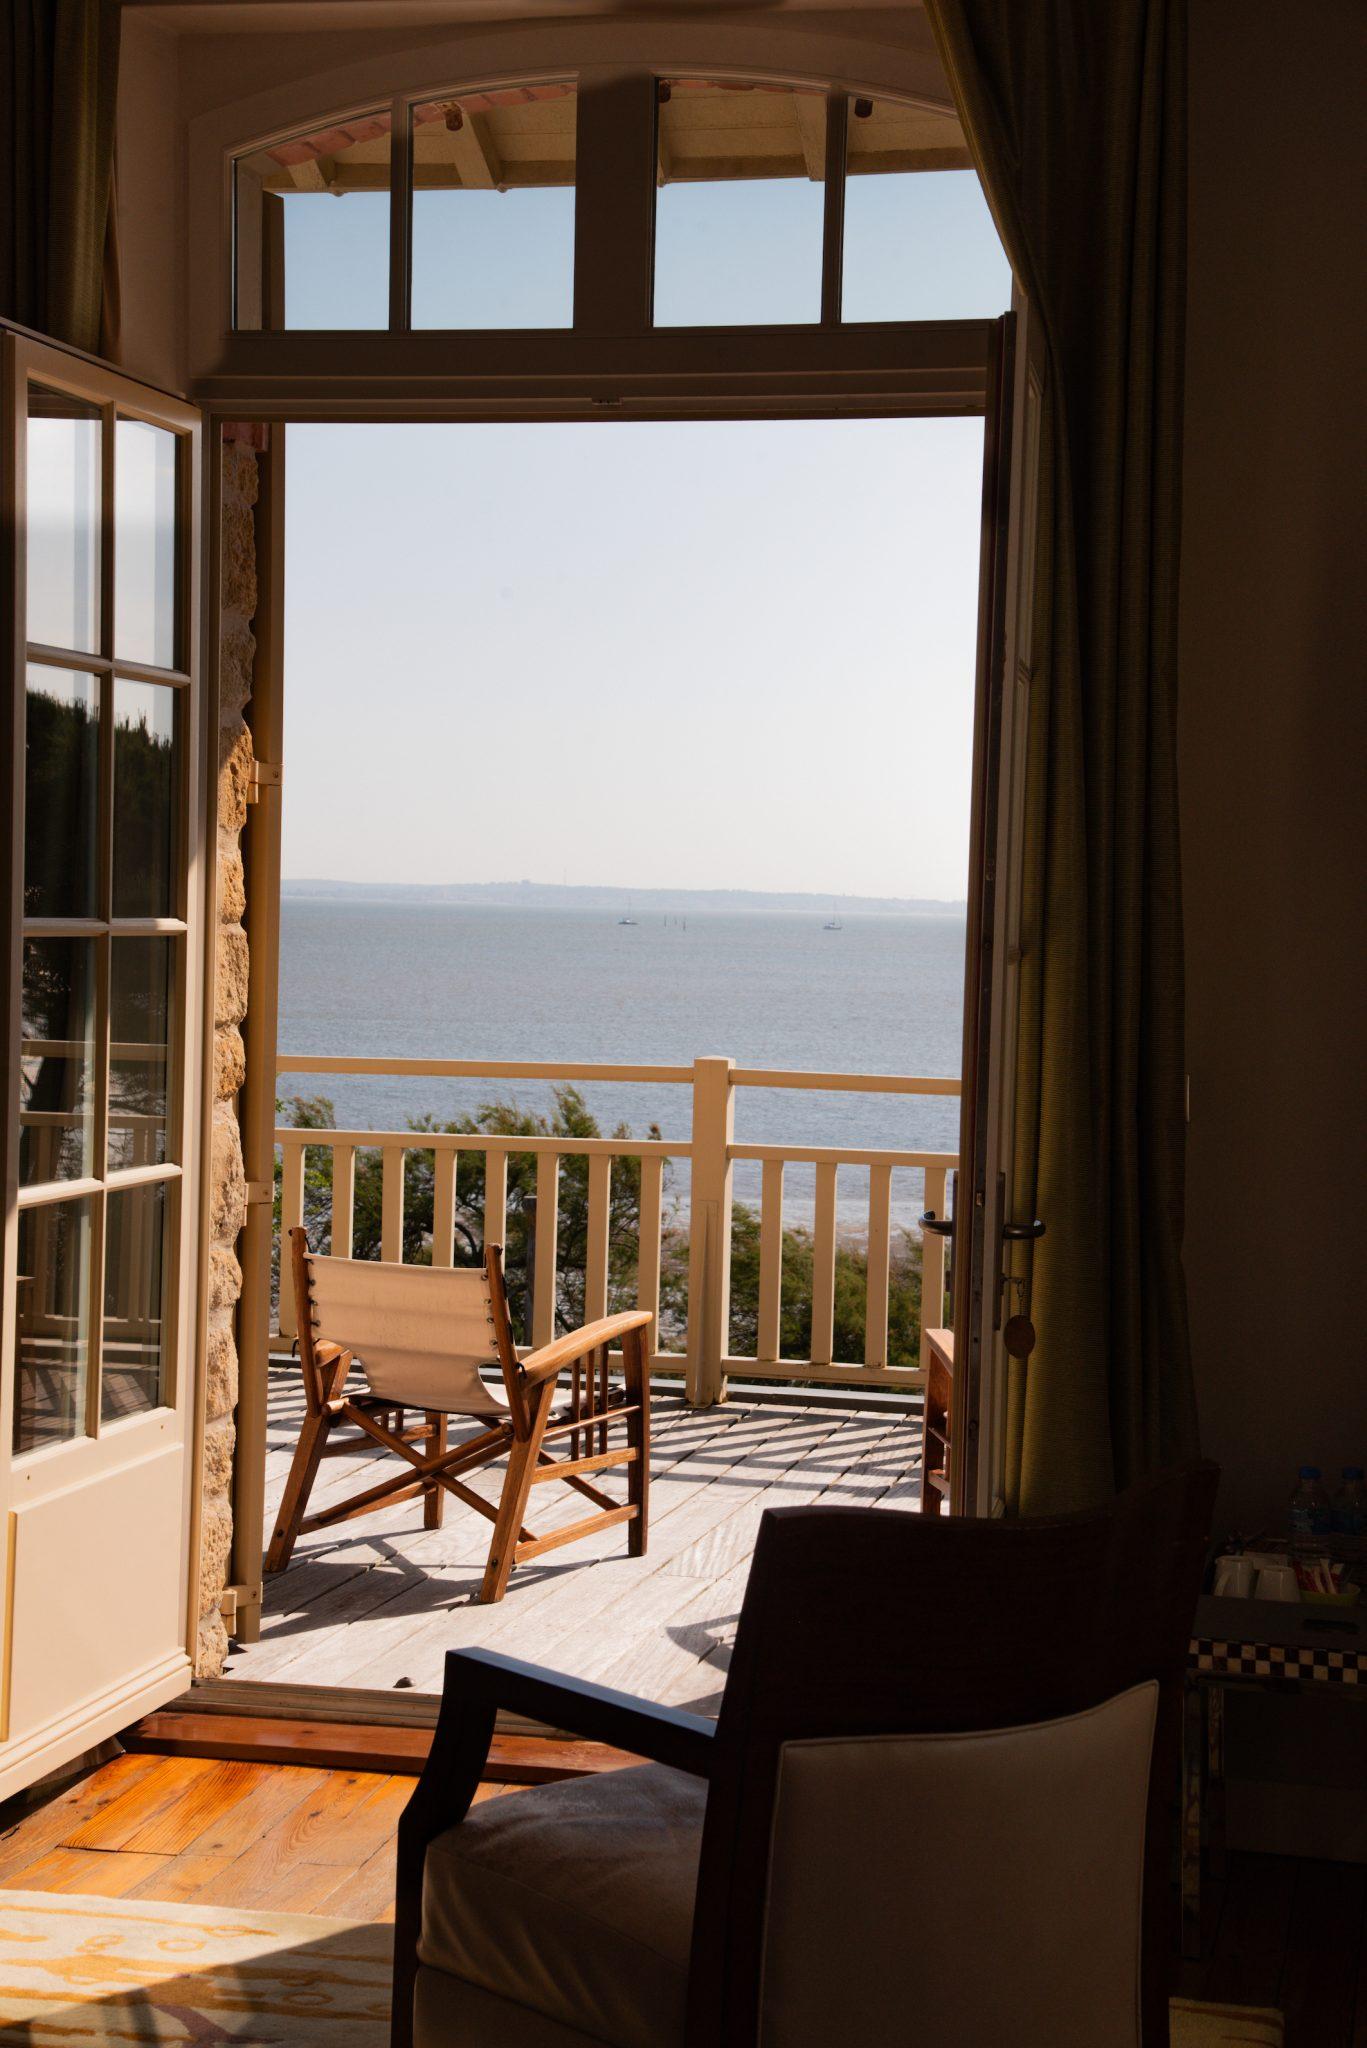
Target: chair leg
[
  {"x": 298, "y": 1487},
  {"x": 638, "y": 1436},
  {"x": 434, "y": 1505},
  {"x": 517, "y": 1485}
]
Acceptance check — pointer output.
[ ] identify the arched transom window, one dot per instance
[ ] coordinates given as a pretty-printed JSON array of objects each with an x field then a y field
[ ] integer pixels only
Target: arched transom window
[{"x": 649, "y": 202}]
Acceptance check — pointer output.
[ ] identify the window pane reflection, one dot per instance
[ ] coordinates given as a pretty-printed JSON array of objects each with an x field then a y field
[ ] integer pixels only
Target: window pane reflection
[
  {"x": 739, "y": 212},
  {"x": 140, "y": 984},
  {"x": 61, "y": 786},
  {"x": 311, "y": 219},
  {"x": 493, "y": 208},
  {"x": 52, "y": 1325},
  {"x": 920, "y": 243},
  {"x": 145, "y": 543},
  {"x": 134, "y": 1349},
  {"x": 63, "y": 515},
  {"x": 57, "y": 1061},
  {"x": 144, "y": 798}
]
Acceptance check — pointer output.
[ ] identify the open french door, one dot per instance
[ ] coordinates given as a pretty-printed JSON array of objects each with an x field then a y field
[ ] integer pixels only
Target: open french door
[
  {"x": 103, "y": 977},
  {"x": 985, "y": 1222}
]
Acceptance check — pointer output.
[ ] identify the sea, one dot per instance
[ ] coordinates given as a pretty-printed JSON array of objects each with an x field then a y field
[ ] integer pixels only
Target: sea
[{"x": 768, "y": 988}]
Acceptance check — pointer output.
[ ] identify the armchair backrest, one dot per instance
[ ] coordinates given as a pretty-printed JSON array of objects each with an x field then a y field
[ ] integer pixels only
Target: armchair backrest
[
  {"x": 861, "y": 1624},
  {"x": 419, "y": 1331}
]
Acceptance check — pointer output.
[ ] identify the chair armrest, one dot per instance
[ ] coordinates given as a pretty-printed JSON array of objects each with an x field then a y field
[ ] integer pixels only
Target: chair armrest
[
  {"x": 667, "y": 1735},
  {"x": 477, "y": 1684},
  {"x": 548, "y": 1361}
]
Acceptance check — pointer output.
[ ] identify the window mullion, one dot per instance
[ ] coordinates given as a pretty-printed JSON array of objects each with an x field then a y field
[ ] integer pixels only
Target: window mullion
[
  {"x": 833, "y": 236},
  {"x": 614, "y": 204},
  {"x": 400, "y": 216}
]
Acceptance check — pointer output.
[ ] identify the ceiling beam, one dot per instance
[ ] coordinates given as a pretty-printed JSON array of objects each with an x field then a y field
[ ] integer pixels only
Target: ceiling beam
[{"x": 810, "y": 108}]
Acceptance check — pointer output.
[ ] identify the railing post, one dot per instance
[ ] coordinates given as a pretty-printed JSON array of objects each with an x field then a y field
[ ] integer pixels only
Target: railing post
[{"x": 709, "y": 1230}]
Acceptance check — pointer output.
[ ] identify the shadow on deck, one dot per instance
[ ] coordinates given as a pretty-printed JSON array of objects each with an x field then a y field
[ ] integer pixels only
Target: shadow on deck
[{"x": 377, "y": 1602}]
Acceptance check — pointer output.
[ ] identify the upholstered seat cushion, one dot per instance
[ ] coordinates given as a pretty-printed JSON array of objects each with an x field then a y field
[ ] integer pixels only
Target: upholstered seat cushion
[{"x": 574, "y": 1901}]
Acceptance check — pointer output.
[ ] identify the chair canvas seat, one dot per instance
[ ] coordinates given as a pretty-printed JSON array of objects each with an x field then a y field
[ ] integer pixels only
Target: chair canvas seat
[{"x": 419, "y": 1333}]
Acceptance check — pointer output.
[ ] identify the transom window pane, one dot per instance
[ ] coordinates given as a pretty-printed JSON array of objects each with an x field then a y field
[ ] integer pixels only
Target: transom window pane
[
  {"x": 739, "y": 209},
  {"x": 140, "y": 989},
  {"x": 61, "y": 792},
  {"x": 52, "y": 1324},
  {"x": 62, "y": 502},
  {"x": 920, "y": 243},
  {"x": 145, "y": 779},
  {"x": 57, "y": 1061},
  {"x": 493, "y": 208},
  {"x": 145, "y": 544},
  {"x": 133, "y": 1354},
  {"x": 312, "y": 228}
]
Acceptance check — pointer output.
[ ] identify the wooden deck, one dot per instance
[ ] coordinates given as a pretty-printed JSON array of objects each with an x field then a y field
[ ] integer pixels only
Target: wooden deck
[{"x": 378, "y": 1601}]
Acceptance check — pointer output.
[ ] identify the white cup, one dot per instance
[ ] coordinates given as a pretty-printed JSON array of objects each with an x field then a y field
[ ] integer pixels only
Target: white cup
[
  {"x": 1234, "y": 1577},
  {"x": 1278, "y": 1582}
]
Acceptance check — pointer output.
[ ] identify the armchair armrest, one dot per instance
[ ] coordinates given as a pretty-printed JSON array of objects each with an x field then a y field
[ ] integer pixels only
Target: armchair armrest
[
  {"x": 548, "y": 1361},
  {"x": 667, "y": 1735},
  {"x": 477, "y": 1684}
]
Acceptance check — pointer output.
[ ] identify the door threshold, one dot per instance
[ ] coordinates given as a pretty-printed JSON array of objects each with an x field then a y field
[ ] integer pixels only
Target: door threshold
[{"x": 348, "y": 1728}]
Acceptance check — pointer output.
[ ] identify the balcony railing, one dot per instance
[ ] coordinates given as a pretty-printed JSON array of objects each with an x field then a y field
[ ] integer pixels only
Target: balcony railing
[{"x": 711, "y": 1153}]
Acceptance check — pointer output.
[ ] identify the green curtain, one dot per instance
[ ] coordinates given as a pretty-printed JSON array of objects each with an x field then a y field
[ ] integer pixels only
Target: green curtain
[
  {"x": 1076, "y": 114},
  {"x": 58, "y": 80}
]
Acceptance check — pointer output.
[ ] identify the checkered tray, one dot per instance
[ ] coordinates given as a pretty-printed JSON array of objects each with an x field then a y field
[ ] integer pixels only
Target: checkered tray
[{"x": 1295, "y": 1662}]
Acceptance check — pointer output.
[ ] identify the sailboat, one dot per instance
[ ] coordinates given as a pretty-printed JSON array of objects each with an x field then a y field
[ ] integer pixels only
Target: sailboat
[
  {"x": 833, "y": 923},
  {"x": 628, "y": 919}
]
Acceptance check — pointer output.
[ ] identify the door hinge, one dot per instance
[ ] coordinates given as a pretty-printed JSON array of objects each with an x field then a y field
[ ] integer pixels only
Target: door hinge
[
  {"x": 264, "y": 775},
  {"x": 260, "y": 1191}
]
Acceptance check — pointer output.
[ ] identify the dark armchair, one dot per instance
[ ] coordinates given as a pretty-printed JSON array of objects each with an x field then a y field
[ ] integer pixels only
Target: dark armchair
[{"x": 936, "y": 1806}]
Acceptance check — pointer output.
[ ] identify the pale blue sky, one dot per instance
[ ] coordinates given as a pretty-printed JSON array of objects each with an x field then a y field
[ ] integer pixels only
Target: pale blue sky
[{"x": 702, "y": 654}]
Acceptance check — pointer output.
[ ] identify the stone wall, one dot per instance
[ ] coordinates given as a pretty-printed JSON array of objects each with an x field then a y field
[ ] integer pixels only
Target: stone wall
[{"x": 228, "y": 1196}]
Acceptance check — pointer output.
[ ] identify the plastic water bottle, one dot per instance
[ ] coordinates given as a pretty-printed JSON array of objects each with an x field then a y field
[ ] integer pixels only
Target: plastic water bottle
[
  {"x": 1350, "y": 1504},
  {"x": 1311, "y": 1513}
]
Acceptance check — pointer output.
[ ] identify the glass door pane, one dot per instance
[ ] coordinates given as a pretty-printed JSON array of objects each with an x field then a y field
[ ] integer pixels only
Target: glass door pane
[
  {"x": 62, "y": 495},
  {"x": 133, "y": 1351},
  {"x": 140, "y": 986},
  {"x": 61, "y": 792},
  {"x": 146, "y": 788},
  {"x": 53, "y": 1337},
  {"x": 57, "y": 1061},
  {"x": 145, "y": 579}
]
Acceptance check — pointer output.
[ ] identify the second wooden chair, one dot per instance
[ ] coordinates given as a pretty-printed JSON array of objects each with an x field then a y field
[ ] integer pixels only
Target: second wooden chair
[{"x": 440, "y": 1340}]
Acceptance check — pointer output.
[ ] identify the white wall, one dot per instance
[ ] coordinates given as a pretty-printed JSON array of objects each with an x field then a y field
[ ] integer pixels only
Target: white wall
[{"x": 1273, "y": 723}]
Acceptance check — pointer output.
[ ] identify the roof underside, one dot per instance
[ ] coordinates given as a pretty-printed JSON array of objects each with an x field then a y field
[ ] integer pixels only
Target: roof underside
[{"x": 525, "y": 136}]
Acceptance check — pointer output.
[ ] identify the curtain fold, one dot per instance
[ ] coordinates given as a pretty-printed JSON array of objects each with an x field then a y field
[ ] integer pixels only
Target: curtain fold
[
  {"x": 1076, "y": 114},
  {"x": 58, "y": 81}
]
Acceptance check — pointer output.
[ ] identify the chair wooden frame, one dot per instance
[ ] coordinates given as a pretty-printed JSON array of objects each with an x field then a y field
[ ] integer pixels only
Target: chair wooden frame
[{"x": 437, "y": 1468}]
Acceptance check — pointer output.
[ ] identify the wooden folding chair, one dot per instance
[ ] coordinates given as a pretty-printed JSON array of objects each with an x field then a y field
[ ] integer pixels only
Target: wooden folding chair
[{"x": 421, "y": 1335}]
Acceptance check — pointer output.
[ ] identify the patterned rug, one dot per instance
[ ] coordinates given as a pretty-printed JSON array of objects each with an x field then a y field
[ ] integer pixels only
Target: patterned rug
[
  {"x": 118, "y": 1973},
  {"x": 124, "y": 1972}
]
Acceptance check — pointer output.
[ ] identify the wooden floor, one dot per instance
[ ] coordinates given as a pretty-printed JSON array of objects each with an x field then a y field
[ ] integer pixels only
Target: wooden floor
[
  {"x": 1280, "y": 1933},
  {"x": 1289, "y": 1933},
  {"x": 377, "y": 1602},
  {"x": 225, "y": 1834}
]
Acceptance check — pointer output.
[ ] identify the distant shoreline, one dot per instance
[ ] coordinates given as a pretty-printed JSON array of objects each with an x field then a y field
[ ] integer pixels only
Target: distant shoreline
[{"x": 655, "y": 902}]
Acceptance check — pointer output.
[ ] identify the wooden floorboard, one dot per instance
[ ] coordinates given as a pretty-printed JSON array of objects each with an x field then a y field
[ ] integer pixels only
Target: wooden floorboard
[
  {"x": 377, "y": 1602},
  {"x": 1289, "y": 1934},
  {"x": 270, "y": 1836}
]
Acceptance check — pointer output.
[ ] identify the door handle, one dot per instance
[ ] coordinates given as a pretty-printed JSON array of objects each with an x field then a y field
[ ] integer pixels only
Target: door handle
[
  {"x": 1019, "y": 1233},
  {"x": 938, "y": 1226}
]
